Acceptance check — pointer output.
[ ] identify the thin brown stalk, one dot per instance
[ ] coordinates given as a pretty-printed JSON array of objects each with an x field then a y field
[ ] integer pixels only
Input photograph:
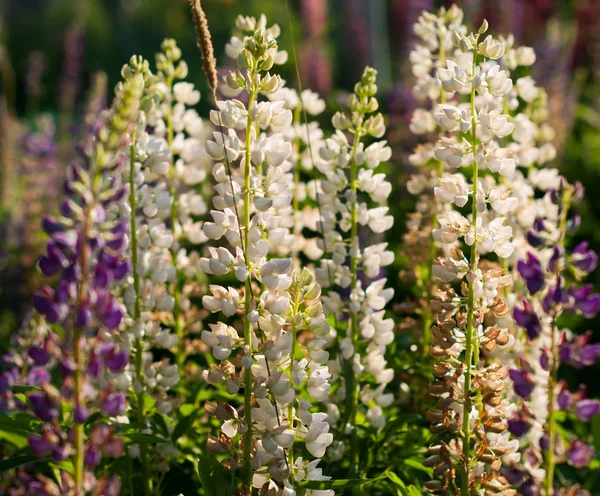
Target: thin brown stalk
[{"x": 205, "y": 45}]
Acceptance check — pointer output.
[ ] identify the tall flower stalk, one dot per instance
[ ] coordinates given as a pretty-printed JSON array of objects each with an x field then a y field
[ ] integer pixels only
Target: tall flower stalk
[
  {"x": 85, "y": 252},
  {"x": 277, "y": 303},
  {"x": 420, "y": 248},
  {"x": 471, "y": 403},
  {"x": 348, "y": 168},
  {"x": 175, "y": 121},
  {"x": 551, "y": 275}
]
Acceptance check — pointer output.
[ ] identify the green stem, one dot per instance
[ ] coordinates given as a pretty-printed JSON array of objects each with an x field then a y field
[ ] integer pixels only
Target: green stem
[
  {"x": 179, "y": 329},
  {"x": 352, "y": 387},
  {"x": 137, "y": 311},
  {"x": 291, "y": 371},
  {"x": 427, "y": 316},
  {"x": 553, "y": 379},
  {"x": 82, "y": 290},
  {"x": 248, "y": 300},
  {"x": 470, "y": 346}
]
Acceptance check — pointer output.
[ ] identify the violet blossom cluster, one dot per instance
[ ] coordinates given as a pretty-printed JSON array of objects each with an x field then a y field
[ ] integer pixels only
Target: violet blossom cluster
[
  {"x": 84, "y": 258},
  {"x": 551, "y": 274}
]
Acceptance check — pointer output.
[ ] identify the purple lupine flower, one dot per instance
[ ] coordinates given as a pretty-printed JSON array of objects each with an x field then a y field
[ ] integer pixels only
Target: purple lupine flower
[
  {"x": 556, "y": 295},
  {"x": 580, "y": 454},
  {"x": 527, "y": 318},
  {"x": 80, "y": 414},
  {"x": 586, "y": 409},
  {"x": 114, "y": 404},
  {"x": 557, "y": 254},
  {"x": 44, "y": 407},
  {"x": 564, "y": 399},
  {"x": 519, "y": 425},
  {"x": 532, "y": 272},
  {"x": 92, "y": 456},
  {"x": 515, "y": 477},
  {"x": 61, "y": 453},
  {"x": 38, "y": 376},
  {"x": 39, "y": 446},
  {"x": 522, "y": 384},
  {"x": 579, "y": 352},
  {"x": 584, "y": 259},
  {"x": 573, "y": 224},
  {"x": 530, "y": 488},
  {"x": 114, "y": 359},
  {"x": 534, "y": 239},
  {"x": 586, "y": 302}
]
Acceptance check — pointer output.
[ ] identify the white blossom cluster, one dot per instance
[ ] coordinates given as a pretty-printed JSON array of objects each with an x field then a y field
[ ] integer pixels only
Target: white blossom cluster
[
  {"x": 252, "y": 199},
  {"x": 306, "y": 138},
  {"x": 167, "y": 161},
  {"x": 352, "y": 200},
  {"x": 471, "y": 114},
  {"x": 419, "y": 248}
]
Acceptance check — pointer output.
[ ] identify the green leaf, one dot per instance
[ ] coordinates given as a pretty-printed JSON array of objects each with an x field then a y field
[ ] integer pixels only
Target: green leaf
[
  {"x": 413, "y": 491},
  {"x": 215, "y": 479},
  {"x": 140, "y": 438},
  {"x": 596, "y": 431},
  {"x": 159, "y": 421},
  {"x": 187, "y": 409},
  {"x": 395, "y": 479},
  {"x": 25, "y": 389},
  {"x": 17, "y": 461},
  {"x": 418, "y": 465},
  {"x": 182, "y": 427},
  {"x": 338, "y": 483}
]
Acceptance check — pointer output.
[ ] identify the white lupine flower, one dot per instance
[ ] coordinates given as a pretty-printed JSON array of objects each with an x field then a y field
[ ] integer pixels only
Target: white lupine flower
[
  {"x": 527, "y": 89},
  {"x": 491, "y": 48},
  {"x": 453, "y": 78},
  {"x": 498, "y": 82},
  {"x": 312, "y": 102},
  {"x": 453, "y": 189},
  {"x": 525, "y": 56},
  {"x": 451, "y": 152},
  {"x": 223, "y": 300},
  {"x": 451, "y": 118},
  {"x": 496, "y": 160},
  {"x": 185, "y": 93},
  {"x": 475, "y": 144},
  {"x": 501, "y": 201},
  {"x": 351, "y": 195},
  {"x": 422, "y": 122},
  {"x": 495, "y": 122}
]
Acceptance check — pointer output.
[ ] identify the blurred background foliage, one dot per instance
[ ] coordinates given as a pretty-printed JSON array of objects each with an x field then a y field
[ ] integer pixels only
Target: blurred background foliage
[{"x": 47, "y": 46}]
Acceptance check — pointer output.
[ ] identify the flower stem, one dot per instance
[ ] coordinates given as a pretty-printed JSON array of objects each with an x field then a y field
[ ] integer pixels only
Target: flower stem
[
  {"x": 179, "y": 330},
  {"x": 291, "y": 371},
  {"x": 82, "y": 296},
  {"x": 295, "y": 202},
  {"x": 248, "y": 300},
  {"x": 352, "y": 386},
  {"x": 553, "y": 379},
  {"x": 427, "y": 317},
  {"x": 137, "y": 311},
  {"x": 470, "y": 338}
]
